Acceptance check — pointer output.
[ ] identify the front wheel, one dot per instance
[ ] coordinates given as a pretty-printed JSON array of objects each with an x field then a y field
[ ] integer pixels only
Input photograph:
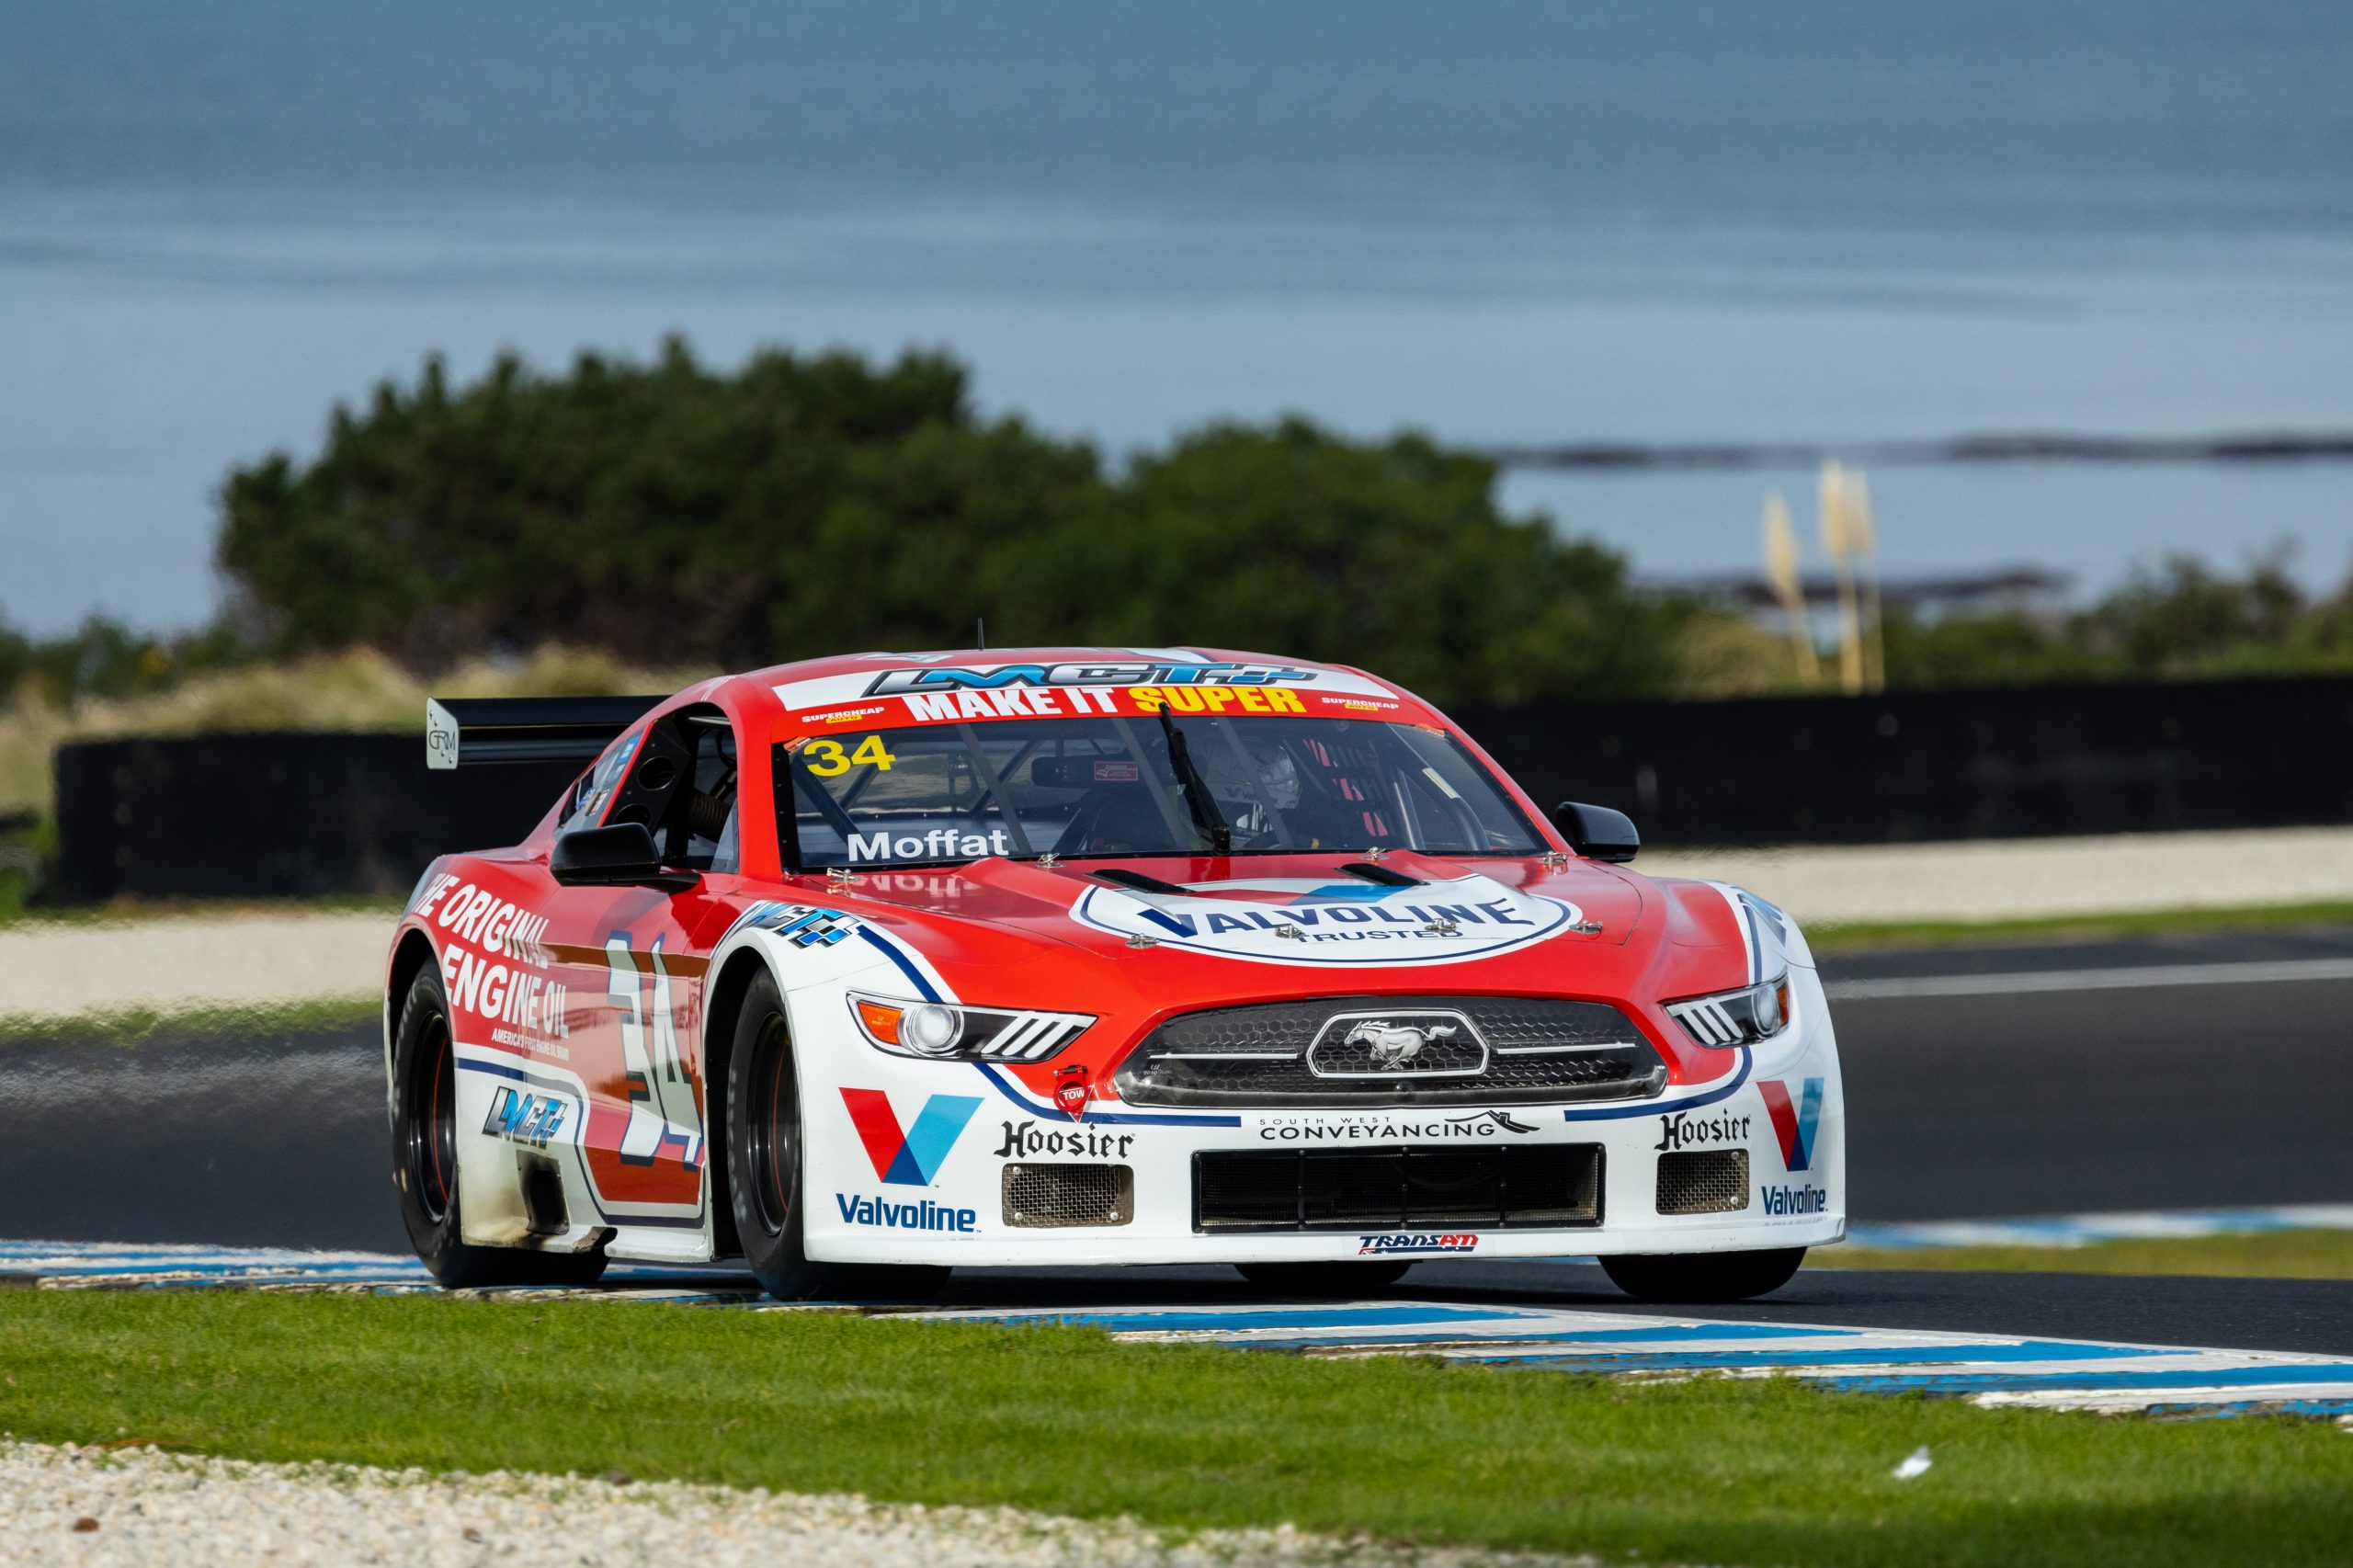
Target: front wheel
[
  {"x": 1703, "y": 1276},
  {"x": 1323, "y": 1278},
  {"x": 765, "y": 1164},
  {"x": 425, "y": 1159}
]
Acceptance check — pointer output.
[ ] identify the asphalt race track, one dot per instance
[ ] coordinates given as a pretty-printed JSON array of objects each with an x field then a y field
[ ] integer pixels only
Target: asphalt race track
[{"x": 2151, "y": 1073}]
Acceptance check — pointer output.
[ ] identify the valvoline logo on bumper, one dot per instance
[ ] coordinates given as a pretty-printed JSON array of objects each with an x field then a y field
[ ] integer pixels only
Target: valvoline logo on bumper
[
  {"x": 1793, "y": 1125},
  {"x": 1416, "y": 1242},
  {"x": 908, "y": 1156}
]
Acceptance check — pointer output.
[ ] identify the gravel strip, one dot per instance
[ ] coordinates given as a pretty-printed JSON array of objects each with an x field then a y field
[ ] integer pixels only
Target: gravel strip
[
  {"x": 2031, "y": 877},
  {"x": 70, "y": 1504},
  {"x": 54, "y": 970},
  {"x": 180, "y": 964}
]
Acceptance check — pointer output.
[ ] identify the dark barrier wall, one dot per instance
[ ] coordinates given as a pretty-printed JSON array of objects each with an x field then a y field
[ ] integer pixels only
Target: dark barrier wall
[
  {"x": 288, "y": 815},
  {"x": 1991, "y": 764},
  {"x": 277, "y": 815}
]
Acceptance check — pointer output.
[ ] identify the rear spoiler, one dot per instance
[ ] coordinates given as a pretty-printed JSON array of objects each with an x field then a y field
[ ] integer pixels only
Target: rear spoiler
[{"x": 470, "y": 731}]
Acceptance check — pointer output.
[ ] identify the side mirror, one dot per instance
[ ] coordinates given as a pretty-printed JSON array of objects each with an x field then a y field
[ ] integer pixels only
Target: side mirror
[
  {"x": 1596, "y": 832},
  {"x": 621, "y": 856}
]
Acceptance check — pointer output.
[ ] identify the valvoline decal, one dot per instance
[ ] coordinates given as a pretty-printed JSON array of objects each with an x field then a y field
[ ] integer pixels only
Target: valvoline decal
[{"x": 1305, "y": 920}]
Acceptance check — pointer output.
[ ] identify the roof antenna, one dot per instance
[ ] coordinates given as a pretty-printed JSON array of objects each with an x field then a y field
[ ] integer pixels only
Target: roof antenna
[{"x": 981, "y": 631}]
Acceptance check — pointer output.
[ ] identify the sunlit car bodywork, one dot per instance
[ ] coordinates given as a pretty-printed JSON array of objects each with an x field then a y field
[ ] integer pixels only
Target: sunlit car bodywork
[{"x": 865, "y": 968}]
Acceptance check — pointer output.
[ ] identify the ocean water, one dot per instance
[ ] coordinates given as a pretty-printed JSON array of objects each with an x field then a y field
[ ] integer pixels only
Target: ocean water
[{"x": 1504, "y": 223}]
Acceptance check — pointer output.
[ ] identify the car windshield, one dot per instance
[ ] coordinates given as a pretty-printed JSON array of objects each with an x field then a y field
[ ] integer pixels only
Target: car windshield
[{"x": 1121, "y": 786}]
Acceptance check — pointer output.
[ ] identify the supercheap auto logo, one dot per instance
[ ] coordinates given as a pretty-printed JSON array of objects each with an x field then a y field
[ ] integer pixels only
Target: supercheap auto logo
[
  {"x": 1793, "y": 1125},
  {"x": 908, "y": 1156}
]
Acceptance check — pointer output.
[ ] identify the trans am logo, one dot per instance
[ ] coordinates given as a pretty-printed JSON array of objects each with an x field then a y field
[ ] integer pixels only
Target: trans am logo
[
  {"x": 908, "y": 1156},
  {"x": 1795, "y": 1125},
  {"x": 1421, "y": 1240},
  {"x": 1295, "y": 920}
]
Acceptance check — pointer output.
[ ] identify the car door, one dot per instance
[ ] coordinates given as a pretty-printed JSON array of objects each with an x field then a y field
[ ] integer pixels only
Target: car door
[{"x": 635, "y": 977}]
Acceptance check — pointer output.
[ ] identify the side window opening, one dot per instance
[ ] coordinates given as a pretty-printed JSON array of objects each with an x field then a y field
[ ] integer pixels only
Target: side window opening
[
  {"x": 681, "y": 786},
  {"x": 700, "y": 832},
  {"x": 585, "y": 803}
]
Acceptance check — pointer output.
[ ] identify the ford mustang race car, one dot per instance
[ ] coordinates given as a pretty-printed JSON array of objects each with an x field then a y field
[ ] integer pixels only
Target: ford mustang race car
[{"x": 864, "y": 968}]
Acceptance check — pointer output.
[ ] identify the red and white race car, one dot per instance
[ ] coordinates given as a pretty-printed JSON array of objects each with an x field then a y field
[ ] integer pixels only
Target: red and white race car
[{"x": 865, "y": 968}]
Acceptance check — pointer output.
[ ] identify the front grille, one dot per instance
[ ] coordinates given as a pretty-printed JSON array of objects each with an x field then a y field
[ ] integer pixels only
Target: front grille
[
  {"x": 1356, "y": 1051},
  {"x": 1703, "y": 1181},
  {"x": 1381, "y": 1189},
  {"x": 1041, "y": 1196}
]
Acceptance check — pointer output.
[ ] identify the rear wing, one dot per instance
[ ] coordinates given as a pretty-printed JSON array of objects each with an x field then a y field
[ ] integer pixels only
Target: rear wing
[{"x": 468, "y": 732}]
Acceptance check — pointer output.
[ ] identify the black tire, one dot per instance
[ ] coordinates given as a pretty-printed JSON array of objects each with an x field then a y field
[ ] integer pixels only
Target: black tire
[
  {"x": 1324, "y": 1279},
  {"x": 764, "y": 1169},
  {"x": 425, "y": 1159},
  {"x": 1703, "y": 1276}
]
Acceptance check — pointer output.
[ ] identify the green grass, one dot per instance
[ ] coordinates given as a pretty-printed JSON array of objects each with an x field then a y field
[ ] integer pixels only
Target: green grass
[
  {"x": 1857, "y": 936},
  {"x": 2274, "y": 1255},
  {"x": 1065, "y": 1420},
  {"x": 203, "y": 1026}
]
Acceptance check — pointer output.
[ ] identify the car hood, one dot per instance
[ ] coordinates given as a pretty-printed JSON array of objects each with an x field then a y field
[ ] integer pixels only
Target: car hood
[{"x": 1220, "y": 930}]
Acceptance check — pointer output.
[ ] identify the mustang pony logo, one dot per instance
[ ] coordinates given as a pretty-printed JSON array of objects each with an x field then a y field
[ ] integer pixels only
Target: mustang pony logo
[
  {"x": 1393, "y": 1045},
  {"x": 908, "y": 1156},
  {"x": 1793, "y": 1125}
]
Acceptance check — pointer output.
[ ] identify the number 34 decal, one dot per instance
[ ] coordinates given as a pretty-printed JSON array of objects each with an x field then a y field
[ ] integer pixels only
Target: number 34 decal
[
  {"x": 661, "y": 1092},
  {"x": 827, "y": 760}
]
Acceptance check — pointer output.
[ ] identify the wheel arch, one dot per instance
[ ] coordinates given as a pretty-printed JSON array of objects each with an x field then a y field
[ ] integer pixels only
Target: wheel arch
[
  {"x": 410, "y": 957},
  {"x": 724, "y": 1004}
]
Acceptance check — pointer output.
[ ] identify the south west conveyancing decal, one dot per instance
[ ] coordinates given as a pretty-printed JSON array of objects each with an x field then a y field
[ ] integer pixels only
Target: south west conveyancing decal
[{"x": 1304, "y": 921}]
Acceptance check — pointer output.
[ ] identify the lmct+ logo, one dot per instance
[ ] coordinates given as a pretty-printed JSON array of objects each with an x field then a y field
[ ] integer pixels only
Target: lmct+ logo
[
  {"x": 909, "y": 1156},
  {"x": 1794, "y": 1126}
]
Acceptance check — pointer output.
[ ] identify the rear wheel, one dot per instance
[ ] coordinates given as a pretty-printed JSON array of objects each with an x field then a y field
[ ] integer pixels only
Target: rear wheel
[
  {"x": 764, "y": 1168},
  {"x": 425, "y": 1159},
  {"x": 1703, "y": 1276},
  {"x": 1323, "y": 1278}
]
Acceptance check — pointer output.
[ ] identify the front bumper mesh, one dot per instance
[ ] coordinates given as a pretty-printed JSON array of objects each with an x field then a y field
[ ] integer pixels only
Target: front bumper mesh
[
  {"x": 1502, "y": 1051},
  {"x": 1380, "y": 1189}
]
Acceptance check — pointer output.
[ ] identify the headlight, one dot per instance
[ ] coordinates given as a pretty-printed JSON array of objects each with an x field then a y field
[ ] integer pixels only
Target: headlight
[
  {"x": 1736, "y": 1017},
  {"x": 940, "y": 1032}
]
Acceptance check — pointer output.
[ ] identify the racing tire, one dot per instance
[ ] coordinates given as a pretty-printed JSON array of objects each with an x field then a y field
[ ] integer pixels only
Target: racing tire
[
  {"x": 765, "y": 1168},
  {"x": 1324, "y": 1279},
  {"x": 425, "y": 1159},
  {"x": 1703, "y": 1276}
]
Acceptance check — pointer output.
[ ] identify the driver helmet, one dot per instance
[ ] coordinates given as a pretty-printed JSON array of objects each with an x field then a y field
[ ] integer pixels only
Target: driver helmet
[{"x": 1270, "y": 777}]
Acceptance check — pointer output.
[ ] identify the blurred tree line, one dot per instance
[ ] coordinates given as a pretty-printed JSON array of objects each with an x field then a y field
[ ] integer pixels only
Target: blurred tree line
[
  {"x": 808, "y": 505},
  {"x": 2184, "y": 621},
  {"x": 675, "y": 516}
]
